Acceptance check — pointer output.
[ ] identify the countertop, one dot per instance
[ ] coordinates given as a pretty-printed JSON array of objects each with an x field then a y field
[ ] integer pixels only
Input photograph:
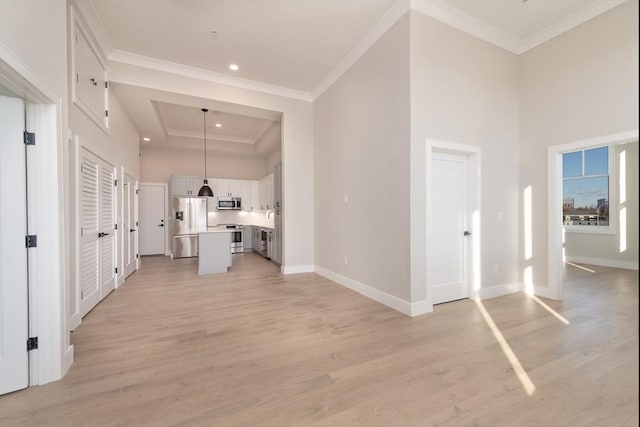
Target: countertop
[{"x": 218, "y": 230}]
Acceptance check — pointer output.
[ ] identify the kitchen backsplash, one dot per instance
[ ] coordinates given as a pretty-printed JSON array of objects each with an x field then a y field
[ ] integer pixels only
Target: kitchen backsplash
[{"x": 239, "y": 217}]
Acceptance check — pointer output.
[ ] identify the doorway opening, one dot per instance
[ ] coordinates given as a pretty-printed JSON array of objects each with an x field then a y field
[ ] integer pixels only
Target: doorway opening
[{"x": 617, "y": 211}]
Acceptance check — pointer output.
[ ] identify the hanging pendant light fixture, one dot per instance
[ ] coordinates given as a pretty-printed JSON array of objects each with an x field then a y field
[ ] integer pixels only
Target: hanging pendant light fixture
[{"x": 205, "y": 190}]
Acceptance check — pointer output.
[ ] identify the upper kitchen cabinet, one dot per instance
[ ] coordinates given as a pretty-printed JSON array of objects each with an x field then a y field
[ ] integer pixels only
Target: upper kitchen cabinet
[
  {"x": 186, "y": 186},
  {"x": 90, "y": 87},
  {"x": 228, "y": 187}
]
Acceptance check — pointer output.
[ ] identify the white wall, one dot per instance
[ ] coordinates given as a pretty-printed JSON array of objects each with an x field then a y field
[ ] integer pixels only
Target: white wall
[
  {"x": 158, "y": 164},
  {"x": 361, "y": 128},
  {"x": 297, "y": 148},
  {"x": 464, "y": 90},
  {"x": 605, "y": 249},
  {"x": 579, "y": 85},
  {"x": 33, "y": 39}
]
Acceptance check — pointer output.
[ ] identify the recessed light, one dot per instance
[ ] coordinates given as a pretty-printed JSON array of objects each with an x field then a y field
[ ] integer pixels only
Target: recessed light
[
  {"x": 234, "y": 67},
  {"x": 218, "y": 125},
  {"x": 146, "y": 139}
]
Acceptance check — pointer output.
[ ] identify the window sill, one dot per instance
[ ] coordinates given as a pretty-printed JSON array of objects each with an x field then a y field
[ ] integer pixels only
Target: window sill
[{"x": 589, "y": 230}]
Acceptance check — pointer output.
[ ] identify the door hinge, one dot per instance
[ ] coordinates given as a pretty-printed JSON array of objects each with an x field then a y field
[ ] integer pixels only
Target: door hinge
[
  {"x": 115, "y": 182},
  {"x": 137, "y": 191},
  {"x": 116, "y": 270},
  {"x": 31, "y": 240},
  {"x": 137, "y": 256},
  {"x": 106, "y": 113},
  {"x": 29, "y": 138},
  {"x": 106, "y": 85},
  {"x": 32, "y": 343},
  {"x": 115, "y": 226},
  {"x": 136, "y": 223}
]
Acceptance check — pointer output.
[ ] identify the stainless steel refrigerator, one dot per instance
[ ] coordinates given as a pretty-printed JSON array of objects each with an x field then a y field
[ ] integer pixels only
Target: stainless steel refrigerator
[{"x": 189, "y": 218}]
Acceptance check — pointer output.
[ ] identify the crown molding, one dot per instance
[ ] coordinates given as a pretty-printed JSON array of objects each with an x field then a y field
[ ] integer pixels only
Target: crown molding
[
  {"x": 469, "y": 24},
  {"x": 221, "y": 138},
  {"x": 581, "y": 16},
  {"x": 387, "y": 21},
  {"x": 198, "y": 73}
]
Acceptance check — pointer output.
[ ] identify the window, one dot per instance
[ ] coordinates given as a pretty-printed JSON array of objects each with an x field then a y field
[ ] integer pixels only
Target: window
[{"x": 585, "y": 189}]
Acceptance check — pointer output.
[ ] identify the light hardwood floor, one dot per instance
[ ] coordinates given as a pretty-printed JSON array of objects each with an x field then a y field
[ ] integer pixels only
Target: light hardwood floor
[{"x": 253, "y": 347}]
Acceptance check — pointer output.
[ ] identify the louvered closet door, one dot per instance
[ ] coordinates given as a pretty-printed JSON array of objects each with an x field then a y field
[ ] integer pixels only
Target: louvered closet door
[
  {"x": 107, "y": 227},
  {"x": 89, "y": 228}
]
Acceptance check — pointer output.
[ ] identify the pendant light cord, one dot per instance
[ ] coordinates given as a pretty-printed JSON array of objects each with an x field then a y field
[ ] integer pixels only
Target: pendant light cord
[{"x": 204, "y": 112}]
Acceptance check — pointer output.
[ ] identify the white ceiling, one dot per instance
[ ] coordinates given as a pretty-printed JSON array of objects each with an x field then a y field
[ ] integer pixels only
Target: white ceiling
[{"x": 288, "y": 47}]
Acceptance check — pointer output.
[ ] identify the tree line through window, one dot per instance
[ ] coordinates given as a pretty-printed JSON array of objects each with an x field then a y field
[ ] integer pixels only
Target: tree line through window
[{"x": 585, "y": 187}]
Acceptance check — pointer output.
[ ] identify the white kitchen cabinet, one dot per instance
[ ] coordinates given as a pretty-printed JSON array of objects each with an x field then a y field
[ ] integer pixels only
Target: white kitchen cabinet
[
  {"x": 247, "y": 238},
  {"x": 254, "y": 196},
  {"x": 227, "y": 187},
  {"x": 186, "y": 186},
  {"x": 265, "y": 193}
]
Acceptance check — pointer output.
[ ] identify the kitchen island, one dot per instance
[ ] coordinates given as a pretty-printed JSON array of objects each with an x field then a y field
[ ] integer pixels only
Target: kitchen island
[{"x": 214, "y": 250}]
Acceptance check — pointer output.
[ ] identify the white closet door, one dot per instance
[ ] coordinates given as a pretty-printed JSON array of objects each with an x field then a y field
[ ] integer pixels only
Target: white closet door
[
  {"x": 107, "y": 228},
  {"x": 89, "y": 229},
  {"x": 14, "y": 362},
  {"x": 129, "y": 232}
]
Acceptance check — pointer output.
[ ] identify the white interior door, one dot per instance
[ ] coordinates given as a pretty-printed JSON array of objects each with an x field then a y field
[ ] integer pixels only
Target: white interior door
[
  {"x": 447, "y": 245},
  {"x": 107, "y": 227},
  {"x": 89, "y": 231},
  {"x": 152, "y": 221},
  {"x": 14, "y": 364},
  {"x": 129, "y": 232}
]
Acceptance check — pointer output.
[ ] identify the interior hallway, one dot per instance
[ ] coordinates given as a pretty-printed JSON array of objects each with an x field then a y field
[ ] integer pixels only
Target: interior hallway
[{"x": 253, "y": 347}]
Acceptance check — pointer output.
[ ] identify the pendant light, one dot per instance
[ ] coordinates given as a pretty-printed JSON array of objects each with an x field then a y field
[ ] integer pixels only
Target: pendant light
[{"x": 205, "y": 190}]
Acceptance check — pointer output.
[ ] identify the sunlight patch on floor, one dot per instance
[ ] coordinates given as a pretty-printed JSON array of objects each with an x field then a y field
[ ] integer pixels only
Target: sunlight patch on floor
[
  {"x": 550, "y": 310},
  {"x": 526, "y": 382}
]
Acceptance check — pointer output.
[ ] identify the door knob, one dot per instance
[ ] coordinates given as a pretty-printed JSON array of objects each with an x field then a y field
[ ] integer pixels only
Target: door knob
[
  {"x": 131, "y": 230},
  {"x": 467, "y": 233},
  {"x": 160, "y": 225}
]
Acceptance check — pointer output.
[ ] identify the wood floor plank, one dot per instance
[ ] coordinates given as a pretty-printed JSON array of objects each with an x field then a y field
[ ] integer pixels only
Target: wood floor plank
[{"x": 254, "y": 347}]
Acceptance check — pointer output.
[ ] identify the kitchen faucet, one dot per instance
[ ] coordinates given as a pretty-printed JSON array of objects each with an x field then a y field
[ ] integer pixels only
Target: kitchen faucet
[{"x": 270, "y": 212}]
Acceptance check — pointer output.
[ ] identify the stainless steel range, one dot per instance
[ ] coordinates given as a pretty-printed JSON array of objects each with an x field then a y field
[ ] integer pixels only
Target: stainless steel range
[{"x": 237, "y": 245}]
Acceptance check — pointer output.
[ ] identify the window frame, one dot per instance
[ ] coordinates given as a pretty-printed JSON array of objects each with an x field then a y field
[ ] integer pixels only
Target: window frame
[{"x": 613, "y": 196}]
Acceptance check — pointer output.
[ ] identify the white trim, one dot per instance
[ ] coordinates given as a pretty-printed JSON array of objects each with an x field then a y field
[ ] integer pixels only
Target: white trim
[
  {"x": 590, "y": 11},
  {"x": 384, "y": 298},
  {"x": 467, "y": 23},
  {"x": 206, "y": 75},
  {"x": 545, "y": 292},
  {"x": 456, "y": 18},
  {"x": 388, "y": 20},
  {"x": 295, "y": 269},
  {"x": 627, "y": 265},
  {"x": 498, "y": 290},
  {"x": 554, "y": 204}
]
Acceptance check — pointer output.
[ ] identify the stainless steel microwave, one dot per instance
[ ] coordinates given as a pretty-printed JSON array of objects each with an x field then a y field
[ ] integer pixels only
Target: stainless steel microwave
[{"x": 229, "y": 203}]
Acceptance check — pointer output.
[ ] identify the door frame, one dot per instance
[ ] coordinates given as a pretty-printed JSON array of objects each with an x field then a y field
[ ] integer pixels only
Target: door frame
[
  {"x": 47, "y": 217},
  {"x": 473, "y": 153},
  {"x": 125, "y": 236},
  {"x": 165, "y": 188},
  {"x": 555, "y": 249}
]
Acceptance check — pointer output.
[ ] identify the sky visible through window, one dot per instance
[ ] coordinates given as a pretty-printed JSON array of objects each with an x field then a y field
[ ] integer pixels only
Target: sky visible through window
[{"x": 585, "y": 186}]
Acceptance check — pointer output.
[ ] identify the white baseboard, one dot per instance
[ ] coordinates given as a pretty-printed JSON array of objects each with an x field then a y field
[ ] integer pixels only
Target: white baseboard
[
  {"x": 68, "y": 360},
  {"x": 74, "y": 321},
  {"x": 544, "y": 292},
  {"x": 627, "y": 265},
  {"x": 295, "y": 269},
  {"x": 498, "y": 290},
  {"x": 372, "y": 293}
]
